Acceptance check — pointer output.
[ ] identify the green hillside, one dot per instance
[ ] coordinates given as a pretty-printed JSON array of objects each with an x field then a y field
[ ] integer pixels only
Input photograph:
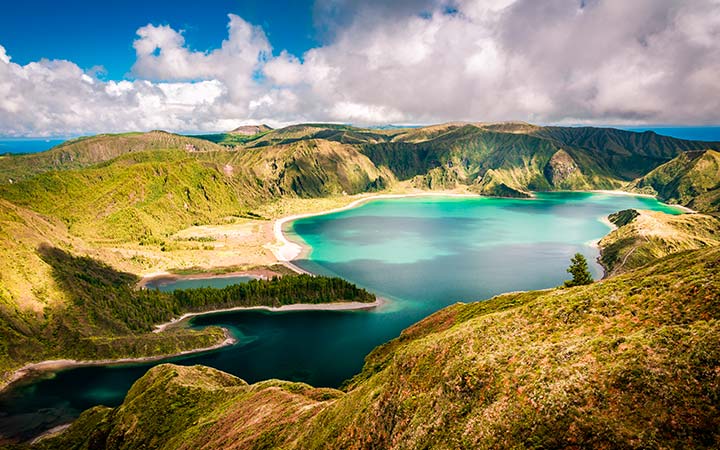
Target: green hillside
[
  {"x": 627, "y": 362},
  {"x": 692, "y": 179},
  {"x": 95, "y": 313},
  {"x": 155, "y": 192},
  {"x": 627, "y": 153},
  {"x": 644, "y": 236},
  {"x": 86, "y": 151},
  {"x": 122, "y": 187}
]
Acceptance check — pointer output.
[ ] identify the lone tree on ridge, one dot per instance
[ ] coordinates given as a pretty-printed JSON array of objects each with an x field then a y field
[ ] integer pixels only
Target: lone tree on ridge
[{"x": 579, "y": 270}]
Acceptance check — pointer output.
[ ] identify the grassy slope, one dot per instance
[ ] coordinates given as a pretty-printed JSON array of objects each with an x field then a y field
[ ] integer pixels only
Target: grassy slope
[
  {"x": 644, "y": 236},
  {"x": 630, "y": 362},
  {"x": 691, "y": 179},
  {"x": 86, "y": 151},
  {"x": 136, "y": 195},
  {"x": 158, "y": 192},
  {"x": 138, "y": 189},
  {"x": 625, "y": 153}
]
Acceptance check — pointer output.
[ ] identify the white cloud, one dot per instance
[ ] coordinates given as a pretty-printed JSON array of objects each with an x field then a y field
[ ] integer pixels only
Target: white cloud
[
  {"x": 4, "y": 58},
  {"x": 595, "y": 61}
]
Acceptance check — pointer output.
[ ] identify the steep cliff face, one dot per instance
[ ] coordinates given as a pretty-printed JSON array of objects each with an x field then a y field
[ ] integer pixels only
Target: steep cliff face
[{"x": 560, "y": 168}]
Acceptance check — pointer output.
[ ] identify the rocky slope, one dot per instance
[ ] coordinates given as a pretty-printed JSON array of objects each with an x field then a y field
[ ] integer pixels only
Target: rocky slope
[{"x": 631, "y": 361}]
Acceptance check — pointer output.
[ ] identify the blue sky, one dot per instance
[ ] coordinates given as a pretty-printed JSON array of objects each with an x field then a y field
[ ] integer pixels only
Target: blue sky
[
  {"x": 98, "y": 33},
  {"x": 210, "y": 66}
]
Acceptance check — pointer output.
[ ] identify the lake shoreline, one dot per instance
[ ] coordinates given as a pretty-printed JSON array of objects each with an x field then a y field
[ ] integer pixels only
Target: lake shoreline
[
  {"x": 55, "y": 365},
  {"x": 286, "y": 251},
  {"x": 335, "y": 306}
]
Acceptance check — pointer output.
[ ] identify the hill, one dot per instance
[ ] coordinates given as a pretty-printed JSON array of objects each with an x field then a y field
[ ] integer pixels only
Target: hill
[
  {"x": 251, "y": 130},
  {"x": 691, "y": 179},
  {"x": 629, "y": 361},
  {"x": 144, "y": 195},
  {"x": 644, "y": 236},
  {"x": 86, "y": 151}
]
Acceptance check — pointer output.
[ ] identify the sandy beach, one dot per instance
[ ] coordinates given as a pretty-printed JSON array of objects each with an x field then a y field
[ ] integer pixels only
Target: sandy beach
[
  {"x": 612, "y": 192},
  {"x": 634, "y": 194}
]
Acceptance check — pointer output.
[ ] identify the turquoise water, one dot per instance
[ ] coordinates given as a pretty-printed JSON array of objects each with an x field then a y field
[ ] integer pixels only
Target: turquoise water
[
  {"x": 421, "y": 253},
  {"x": 168, "y": 285}
]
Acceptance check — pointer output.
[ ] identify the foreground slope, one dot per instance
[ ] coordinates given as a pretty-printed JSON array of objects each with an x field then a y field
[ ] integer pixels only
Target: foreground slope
[{"x": 632, "y": 361}]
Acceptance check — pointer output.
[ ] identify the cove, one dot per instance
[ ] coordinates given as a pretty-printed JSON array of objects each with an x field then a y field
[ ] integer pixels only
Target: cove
[{"x": 421, "y": 253}]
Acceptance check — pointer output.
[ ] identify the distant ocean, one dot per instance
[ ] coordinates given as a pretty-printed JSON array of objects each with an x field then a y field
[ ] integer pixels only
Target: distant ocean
[
  {"x": 691, "y": 133},
  {"x": 27, "y": 145}
]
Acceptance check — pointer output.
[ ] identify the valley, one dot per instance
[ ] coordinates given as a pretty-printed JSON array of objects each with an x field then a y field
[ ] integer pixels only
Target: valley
[{"x": 84, "y": 222}]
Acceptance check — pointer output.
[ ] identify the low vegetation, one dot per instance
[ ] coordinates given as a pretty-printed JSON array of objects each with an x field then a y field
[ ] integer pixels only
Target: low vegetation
[
  {"x": 631, "y": 361},
  {"x": 644, "y": 236}
]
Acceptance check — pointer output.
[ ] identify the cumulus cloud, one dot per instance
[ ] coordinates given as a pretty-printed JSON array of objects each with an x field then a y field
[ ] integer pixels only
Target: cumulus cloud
[
  {"x": 556, "y": 61},
  {"x": 594, "y": 61}
]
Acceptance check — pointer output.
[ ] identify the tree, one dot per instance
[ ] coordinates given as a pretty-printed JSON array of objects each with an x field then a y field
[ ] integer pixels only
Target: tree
[{"x": 579, "y": 270}]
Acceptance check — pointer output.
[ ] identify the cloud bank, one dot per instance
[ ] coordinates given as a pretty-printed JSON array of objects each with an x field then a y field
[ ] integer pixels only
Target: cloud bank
[{"x": 556, "y": 61}]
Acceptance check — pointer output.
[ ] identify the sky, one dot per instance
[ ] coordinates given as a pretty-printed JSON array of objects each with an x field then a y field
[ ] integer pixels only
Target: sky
[{"x": 82, "y": 67}]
